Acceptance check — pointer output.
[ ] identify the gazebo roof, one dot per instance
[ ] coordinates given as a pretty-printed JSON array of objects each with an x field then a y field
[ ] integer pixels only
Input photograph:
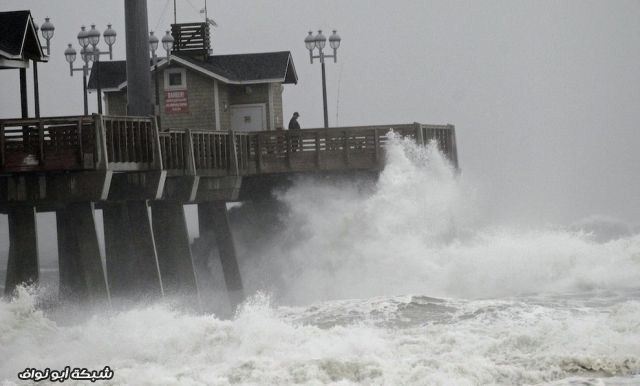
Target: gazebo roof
[{"x": 19, "y": 42}]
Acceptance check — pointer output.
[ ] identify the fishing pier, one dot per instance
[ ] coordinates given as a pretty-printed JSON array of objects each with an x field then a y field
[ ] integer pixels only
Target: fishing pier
[
  {"x": 214, "y": 135},
  {"x": 140, "y": 177}
]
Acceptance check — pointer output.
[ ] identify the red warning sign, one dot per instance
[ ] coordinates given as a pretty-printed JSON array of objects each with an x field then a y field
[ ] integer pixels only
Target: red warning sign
[{"x": 176, "y": 102}]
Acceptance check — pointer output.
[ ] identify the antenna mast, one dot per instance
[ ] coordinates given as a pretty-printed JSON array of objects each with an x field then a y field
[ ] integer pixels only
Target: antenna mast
[{"x": 175, "y": 15}]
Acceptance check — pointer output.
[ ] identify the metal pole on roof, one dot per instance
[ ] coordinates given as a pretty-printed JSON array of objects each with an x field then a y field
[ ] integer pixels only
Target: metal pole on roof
[
  {"x": 36, "y": 90},
  {"x": 175, "y": 15},
  {"x": 138, "y": 74}
]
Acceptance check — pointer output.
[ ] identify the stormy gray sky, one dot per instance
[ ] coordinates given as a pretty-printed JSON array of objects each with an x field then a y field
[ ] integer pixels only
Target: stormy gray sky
[{"x": 544, "y": 94}]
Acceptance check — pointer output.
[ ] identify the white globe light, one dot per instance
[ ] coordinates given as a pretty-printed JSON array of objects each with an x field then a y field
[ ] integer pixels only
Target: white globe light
[{"x": 320, "y": 40}]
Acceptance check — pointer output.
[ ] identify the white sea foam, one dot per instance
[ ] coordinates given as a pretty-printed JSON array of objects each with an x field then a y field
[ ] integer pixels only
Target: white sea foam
[{"x": 476, "y": 342}]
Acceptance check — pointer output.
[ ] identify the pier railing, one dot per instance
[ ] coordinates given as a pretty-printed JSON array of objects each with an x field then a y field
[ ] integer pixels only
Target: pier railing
[
  {"x": 360, "y": 147},
  {"x": 135, "y": 144},
  {"x": 78, "y": 143},
  {"x": 61, "y": 143},
  {"x": 131, "y": 142}
]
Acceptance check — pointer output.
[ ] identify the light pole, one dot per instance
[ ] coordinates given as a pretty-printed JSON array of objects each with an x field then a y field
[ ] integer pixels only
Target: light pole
[
  {"x": 90, "y": 52},
  {"x": 47, "y": 30},
  {"x": 319, "y": 41},
  {"x": 167, "y": 44}
]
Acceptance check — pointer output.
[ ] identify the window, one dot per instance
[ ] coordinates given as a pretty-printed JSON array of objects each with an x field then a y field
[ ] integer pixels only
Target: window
[{"x": 175, "y": 79}]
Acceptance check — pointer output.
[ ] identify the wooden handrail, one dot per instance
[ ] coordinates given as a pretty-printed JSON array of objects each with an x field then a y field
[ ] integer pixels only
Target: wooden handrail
[{"x": 135, "y": 143}]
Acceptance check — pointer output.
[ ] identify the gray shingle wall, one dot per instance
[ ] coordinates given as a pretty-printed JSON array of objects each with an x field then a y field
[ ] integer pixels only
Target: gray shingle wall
[
  {"x": 116, "y": 103},
  {"x": 223, "y": 96},
  {"x": 201, "y": 113},
  {"x": 276, "y": 89}
]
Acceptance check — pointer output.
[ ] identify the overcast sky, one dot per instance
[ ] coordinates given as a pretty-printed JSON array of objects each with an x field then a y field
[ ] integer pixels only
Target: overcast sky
[{"x": 545, "y": 95}]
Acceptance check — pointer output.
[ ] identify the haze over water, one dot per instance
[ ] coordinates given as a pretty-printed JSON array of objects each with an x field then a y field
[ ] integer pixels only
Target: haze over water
[{"x": 397, "y": 281}]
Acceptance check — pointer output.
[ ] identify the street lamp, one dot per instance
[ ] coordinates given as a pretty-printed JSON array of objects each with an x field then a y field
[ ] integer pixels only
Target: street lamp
[
  {"x": 320, "y": 41},
  {"x": 47, "y": 29},
  {"x": 89, "y": 52},
  {"x": 167, "y": 43},
  {"x": 153, "y": 46},
  {"x": 110, "y": 38}
]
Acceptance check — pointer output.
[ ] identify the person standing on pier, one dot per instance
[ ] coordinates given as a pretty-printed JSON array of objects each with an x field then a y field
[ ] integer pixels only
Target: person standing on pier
[
  {"x": 293, "y": 123},
  {"x": 295, "y": 137}
]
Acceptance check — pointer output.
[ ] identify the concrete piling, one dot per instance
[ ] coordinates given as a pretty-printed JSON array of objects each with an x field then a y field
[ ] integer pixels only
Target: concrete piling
[
  {"x": 22, "y": 266},
  {"x": 174, "y": 252},
  {"x": 214, "y": 225},
  {"x": 81, "y": 272},
  {"x": 131, "y": 257}
]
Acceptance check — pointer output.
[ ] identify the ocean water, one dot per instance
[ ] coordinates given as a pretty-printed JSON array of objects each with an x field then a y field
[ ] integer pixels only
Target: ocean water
[{"x": 392, "y": 282}]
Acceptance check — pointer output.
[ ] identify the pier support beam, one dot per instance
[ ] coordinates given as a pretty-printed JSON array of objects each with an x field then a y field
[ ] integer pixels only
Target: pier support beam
[
  {"x": 82, "y": 276},
  {"x": 132, "y": 261},
  {"x": 214, "y": 225},
  {"x": 174, "y": 251},
  {"x": 22, "y": 266}
]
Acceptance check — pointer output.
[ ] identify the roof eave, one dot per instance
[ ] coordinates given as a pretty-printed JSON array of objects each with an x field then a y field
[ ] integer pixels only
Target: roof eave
[
  {"x": 293, "y": 67},
  {"x": 10, "y": 56}
]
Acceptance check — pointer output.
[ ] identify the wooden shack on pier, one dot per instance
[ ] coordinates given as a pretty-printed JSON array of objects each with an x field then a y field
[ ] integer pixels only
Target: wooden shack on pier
[{"x": 197, "y": 90}]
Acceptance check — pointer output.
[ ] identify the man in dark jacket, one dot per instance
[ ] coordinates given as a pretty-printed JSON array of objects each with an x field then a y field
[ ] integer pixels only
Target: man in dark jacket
[
  {"x": 293, "y": 123},
  {"x": 295, "y": 126}
]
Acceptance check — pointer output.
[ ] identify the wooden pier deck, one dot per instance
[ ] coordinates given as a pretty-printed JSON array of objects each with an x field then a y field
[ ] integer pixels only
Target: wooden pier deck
[{"x": 130, "y": 144}]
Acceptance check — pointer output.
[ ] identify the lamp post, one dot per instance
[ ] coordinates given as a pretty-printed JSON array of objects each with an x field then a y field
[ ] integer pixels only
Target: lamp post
[
  {"x": 167, "y": 44},
  {"x": 319, "y": 41},
  {"x": 90, "y": 52},
  {"x": 47, "y": 30}
]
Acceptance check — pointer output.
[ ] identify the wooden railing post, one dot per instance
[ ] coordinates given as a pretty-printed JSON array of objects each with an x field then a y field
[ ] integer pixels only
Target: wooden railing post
[
  {"x": 419, "y": 133},
  {"x": 2, "y": 145},
  {"x": 155, "y": 137},
  {"x": 233, "y": 154},
  {"x": 376, "y": 145},
  {"x": 454, "y": 146},
  {"x": 317, "y": 133},
  {"x": 289, "y": 147},
  {"x": 259, "y": 152},
  {"x": 41, "y": 143},
  {"x": 189, "y": 157},
  {"x": 101, "y": 152},
  {"x": 345, "y": 147},
  {"x": 80, "y": 147}
]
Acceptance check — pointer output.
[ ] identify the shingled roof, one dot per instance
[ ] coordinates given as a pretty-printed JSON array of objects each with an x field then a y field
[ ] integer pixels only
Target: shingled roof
[
  {"x": 255, "y": 68},
  {"x": 250, "y": 67},
  {"x": 112, "y": 75},
  {"x": 18, "y": 38}
]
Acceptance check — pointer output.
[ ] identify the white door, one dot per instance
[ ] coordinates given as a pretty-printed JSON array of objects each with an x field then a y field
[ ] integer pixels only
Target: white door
[{"x": 248, "y": 117}]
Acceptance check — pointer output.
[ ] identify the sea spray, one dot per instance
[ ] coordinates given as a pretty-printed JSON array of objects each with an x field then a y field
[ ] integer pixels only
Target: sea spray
[{"x": 415, "y": 230}]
